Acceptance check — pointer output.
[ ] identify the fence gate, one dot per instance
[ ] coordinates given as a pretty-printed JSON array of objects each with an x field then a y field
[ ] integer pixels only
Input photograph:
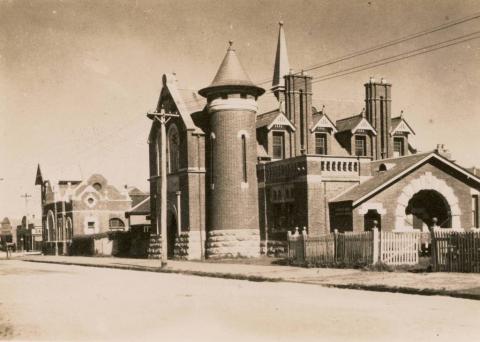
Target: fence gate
[{"x": 399, "y": 248}]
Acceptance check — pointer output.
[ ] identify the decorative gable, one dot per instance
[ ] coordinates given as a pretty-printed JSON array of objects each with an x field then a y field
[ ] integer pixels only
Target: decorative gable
[
  {"x": 281, "y": 121},
  {"x": 324, "y": 122},
  {"x": 364, "y": 125},
  {"x": 402, "y": 127}
]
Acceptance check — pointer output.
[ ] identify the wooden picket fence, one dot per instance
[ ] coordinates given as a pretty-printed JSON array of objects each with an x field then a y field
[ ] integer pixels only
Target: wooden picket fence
[
  {"x": 456, "y": 251},
  {"x": 354, "y": 248},
  {"x": 350, "y": 248}
]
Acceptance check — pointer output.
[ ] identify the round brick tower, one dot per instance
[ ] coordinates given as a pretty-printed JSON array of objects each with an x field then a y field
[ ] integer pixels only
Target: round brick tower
[{"x": 231, "y": 146}]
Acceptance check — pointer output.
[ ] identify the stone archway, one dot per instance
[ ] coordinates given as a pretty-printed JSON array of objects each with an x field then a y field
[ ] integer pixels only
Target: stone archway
[
  {"x": 426, "y": 181},
  {"x": 426, "y": 205}
]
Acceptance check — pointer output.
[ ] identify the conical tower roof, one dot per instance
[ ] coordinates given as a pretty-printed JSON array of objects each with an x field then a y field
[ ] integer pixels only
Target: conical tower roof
[
  {"x": 231, "y": 75},
  {"x": 282, "y": 66}
]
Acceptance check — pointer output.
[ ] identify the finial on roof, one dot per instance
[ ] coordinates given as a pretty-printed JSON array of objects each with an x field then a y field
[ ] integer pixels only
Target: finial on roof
[
  {"x": 401, "y": 114},
  {"x": 230, "y": 43},
  {"x": 383, "y": 81},
  {"x": 280, "y": 23},
  {"x": 323, "y": 109},
  {"x": 363, "y": 112},
  {"x": 372, "y": 79}
]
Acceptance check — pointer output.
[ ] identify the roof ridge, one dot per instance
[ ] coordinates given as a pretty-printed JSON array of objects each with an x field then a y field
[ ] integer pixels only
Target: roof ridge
[{"x": 350, "y": 117}]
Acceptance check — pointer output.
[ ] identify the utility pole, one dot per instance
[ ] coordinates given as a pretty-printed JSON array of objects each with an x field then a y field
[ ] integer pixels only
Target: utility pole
[
  {"x": 27, "y": 196},
  {"x": 162, "y": 118}
]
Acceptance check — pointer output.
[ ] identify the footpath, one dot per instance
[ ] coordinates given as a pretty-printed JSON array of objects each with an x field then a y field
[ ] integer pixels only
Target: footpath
[{"x": 462, "y": 285}]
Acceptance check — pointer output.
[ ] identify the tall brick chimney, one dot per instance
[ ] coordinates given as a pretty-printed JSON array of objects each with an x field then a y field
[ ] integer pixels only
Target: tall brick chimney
[
  {"x": 298, "y": 108},
  {"x": 378, "y": 112}
]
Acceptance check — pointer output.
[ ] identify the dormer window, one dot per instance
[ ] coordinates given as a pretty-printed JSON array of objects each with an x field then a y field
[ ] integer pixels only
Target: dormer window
[
  {"x": 398, "y": 147},
  {"x": 320, "y": 143},
  {"x": 360, "y": 145},
  {"x": 278, "y": 145}
]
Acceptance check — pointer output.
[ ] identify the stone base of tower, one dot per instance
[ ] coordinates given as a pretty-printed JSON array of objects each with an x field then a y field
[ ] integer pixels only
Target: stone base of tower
[
  {"x": 188, "y": 246},
  {"x": 233, "y": 243}
]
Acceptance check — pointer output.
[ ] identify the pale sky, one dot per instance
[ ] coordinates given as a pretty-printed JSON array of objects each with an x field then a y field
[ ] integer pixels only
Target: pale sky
[{"x": 77, "y": 77}]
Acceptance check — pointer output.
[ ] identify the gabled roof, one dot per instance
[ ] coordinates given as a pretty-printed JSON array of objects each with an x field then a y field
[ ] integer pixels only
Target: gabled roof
[
  {"x": 399, "y": 124},
  {"x": 184, "y": 106},
  {"x": 398, "y": 168},
  {"x": 322, "y": 120},
  {"x": 142, "y": 208},
  {"x": 275, "y": 117},
  {"x": 354, "y": 123}
]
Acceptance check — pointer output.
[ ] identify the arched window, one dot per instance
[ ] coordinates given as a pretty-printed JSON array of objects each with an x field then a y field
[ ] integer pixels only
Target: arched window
[
  {"x": 158, "y": 153},
  {"x": 173, "y": 147},
  {"x": 212, "y": 163},
  {"x": 116, "y": 223},
  {"x": 50, "y": 226},
  {"x": 68, "y": 228},
  {"x": 244, "y": 158}
]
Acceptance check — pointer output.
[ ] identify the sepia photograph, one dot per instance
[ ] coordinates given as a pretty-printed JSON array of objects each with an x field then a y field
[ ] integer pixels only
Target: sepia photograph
[{"x": 240, "y": 170}]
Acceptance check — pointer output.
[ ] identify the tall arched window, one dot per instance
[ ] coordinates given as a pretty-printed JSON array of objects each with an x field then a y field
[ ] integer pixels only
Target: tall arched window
[
  {"x": 69, "y": 228},
  {"x": 173, "y": 147},
  {"x": 212, "y": 163},
  {"x": 158, "y": 146},
  {"x": 244, "y": 157},
  {"x": 50, "y": 226}
]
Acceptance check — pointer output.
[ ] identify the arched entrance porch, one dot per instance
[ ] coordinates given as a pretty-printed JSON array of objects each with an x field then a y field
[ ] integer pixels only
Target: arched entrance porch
[
  {"x": 426, "y": 205},
  {"x": 412, "y": 208}
]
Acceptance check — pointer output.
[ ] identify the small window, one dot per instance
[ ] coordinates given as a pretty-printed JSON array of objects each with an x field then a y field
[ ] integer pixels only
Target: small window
[
  {"x": 278, "y": 145},
  {"x": 91, "y": 224},
  {"x": 360, "y": 145},
  {"x": 398, "y": 146},
  {"x": 97, "y": 186},
  {"x": 320, "y": 143}
]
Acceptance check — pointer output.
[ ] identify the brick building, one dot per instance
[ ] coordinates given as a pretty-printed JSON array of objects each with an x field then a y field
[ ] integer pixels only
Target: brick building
[
  {"x": 80, "y": 207},
  {"x": 245, "y": 167}
]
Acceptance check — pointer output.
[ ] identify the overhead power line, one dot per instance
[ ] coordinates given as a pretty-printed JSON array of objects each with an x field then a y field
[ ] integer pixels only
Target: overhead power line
[
  {"x": 402, "y": 56},
  {"x": 386, "y": 44}
]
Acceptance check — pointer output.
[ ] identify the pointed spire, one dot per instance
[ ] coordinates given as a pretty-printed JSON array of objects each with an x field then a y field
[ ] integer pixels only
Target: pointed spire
[
  {"x": 231, "y": 74},
  {"x": 282, "y": 67},
  {"x": 39, "y": 177}
]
